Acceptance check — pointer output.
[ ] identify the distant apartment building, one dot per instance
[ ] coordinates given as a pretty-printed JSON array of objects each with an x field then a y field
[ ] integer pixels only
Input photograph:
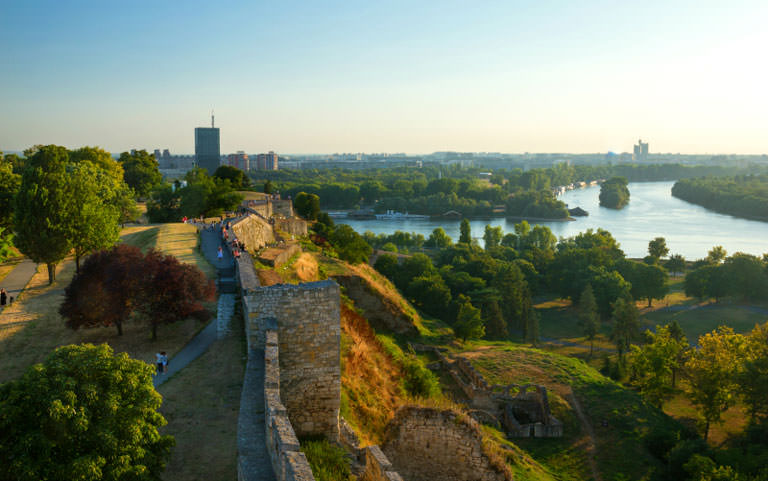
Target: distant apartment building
[
  {"x": 266, "y": 161},
  {"x": 641, "y": 151},
  {"x": 207, "y": 148},
  {"x": 166, "y": 161},
  {"x": 239, "y": 160}
]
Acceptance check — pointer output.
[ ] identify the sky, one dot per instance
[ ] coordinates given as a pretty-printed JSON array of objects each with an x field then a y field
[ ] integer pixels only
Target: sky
[{"x": 394, "y": 76}]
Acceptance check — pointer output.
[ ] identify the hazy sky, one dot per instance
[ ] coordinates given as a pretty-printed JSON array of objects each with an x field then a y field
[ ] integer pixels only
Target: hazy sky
[{"x": 411, "y": 76}]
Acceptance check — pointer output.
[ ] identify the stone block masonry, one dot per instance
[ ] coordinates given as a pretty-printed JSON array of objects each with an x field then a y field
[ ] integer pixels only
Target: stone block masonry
[
  {"x": 427, "y": 443},
  {"x": 254, "y": 231},
  {"x": 307, "y": 320}
]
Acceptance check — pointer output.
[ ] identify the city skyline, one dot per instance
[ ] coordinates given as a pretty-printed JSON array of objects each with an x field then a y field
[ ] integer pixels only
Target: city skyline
[{"x": 500, "y": 77}]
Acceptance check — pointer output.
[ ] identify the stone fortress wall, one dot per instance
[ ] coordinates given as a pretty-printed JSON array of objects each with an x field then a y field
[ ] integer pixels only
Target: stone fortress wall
[
  {"x": 305, "y": 318},
  {"x": 295, "y": 331},
  {"x": 428, "y": 443}
]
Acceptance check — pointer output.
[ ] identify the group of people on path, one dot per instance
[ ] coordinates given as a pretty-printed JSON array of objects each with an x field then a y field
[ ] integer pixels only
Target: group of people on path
[
  {"x": 161, "y": 362},
  {"x": 237, "y": 245}
]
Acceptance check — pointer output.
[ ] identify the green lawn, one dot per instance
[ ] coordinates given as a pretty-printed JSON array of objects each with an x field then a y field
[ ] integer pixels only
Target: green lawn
[{"x": 706, "y": 318}]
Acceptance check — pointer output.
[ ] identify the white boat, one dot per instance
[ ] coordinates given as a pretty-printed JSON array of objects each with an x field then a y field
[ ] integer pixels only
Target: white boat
[{"x": 393, "y": 215}]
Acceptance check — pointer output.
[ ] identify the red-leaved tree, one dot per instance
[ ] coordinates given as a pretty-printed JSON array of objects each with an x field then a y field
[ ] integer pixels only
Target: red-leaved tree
[
  {"x": 114, "y": 284},
  {"x": 172, "y": 291}
]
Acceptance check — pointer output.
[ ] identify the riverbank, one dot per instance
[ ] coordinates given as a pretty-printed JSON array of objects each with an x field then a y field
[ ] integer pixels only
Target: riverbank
[{"x": 689, "y": 230}]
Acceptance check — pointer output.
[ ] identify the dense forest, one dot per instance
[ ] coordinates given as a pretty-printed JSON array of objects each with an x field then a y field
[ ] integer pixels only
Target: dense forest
[
  {"x": 741, "y": 196},
  {"x": 436, "y": 189}
]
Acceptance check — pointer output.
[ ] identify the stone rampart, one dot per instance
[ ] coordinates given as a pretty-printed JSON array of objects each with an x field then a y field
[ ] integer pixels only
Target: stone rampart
[
  {"x": 288, "y": 462},
  {"x": 254, "y": 231},
  {"x": 293, "y": 226},
  {"x": 427, "y": 443},
  {"x": 378, "y": 467},
  {"x": 276, "y": 256},
  {"x": 307, "y": 319}
]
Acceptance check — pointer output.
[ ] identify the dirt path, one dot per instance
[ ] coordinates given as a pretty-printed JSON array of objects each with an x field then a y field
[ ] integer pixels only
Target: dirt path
[{"x": 591, "y": 445}]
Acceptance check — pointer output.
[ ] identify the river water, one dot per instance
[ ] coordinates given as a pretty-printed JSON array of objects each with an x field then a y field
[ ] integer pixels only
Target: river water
[{"x": 652, "y": 212}]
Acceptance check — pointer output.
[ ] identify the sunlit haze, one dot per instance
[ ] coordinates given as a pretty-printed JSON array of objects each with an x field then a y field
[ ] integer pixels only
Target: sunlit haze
[{"x": 416, "y": 77}]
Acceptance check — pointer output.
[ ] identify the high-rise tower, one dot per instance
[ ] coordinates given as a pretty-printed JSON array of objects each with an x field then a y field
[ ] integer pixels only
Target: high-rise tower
[{"x": 207, "y": 147}]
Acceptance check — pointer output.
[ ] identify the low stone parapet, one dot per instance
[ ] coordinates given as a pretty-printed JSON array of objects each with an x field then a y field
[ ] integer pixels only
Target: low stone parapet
[{"x": 288, "y": 462}]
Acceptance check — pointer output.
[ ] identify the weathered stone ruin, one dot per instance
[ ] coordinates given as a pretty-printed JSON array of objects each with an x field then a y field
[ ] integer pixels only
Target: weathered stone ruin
[{"x": 520, "y": 410}]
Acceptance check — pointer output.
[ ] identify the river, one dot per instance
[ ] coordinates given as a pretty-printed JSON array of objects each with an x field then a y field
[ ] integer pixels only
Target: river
[{"x": 652, "y": 212}]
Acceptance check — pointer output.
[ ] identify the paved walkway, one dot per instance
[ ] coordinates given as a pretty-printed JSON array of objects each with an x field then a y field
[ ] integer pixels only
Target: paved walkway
[
  {"x": 18, "y": 278},
  {"x": 254, "y": 460},
  {"x": 209, "y": 244}
]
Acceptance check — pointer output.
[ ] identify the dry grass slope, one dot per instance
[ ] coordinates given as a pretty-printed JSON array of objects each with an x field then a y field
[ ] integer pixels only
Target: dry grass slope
[{"x": 32, "y": 327}]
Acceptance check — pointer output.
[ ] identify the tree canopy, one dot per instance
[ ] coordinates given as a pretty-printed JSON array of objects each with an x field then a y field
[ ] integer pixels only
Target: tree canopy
[
  {"x": 614, "y": 193},
  {"x": 141, "y": 171},
  {"x": 84, "y": 413}
]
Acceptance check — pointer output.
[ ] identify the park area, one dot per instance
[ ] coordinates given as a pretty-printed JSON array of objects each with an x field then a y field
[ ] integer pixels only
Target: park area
[{"x": 200, "y": 402}]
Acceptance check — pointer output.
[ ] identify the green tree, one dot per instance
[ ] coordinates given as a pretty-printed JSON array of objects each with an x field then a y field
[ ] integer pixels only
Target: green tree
[
  {"x": 608, "y": 286},
  {"x": 350, "y": 246},
  {"x": 99, "y": 158},
  {"x": 268, "y": 188},
  {"x": 716, "y": 255},
  {"x": 753, "y": 378},
  {"x": 588, "y": 318},
  {"x": 430, "y": 294},
  {"x": 439, "y": 239},
  {"x": 9, "y": 186},
  {"x": 466, "y": 232},
  {"x": 493, "y": 319},
  {"x": 141, "y": 172},
  {"x": 711, "y": 371},
  {"x": 164, "y": 205},
  {"x": 532, "y": 331},
  {"x": 657, "y": 248},
  {"x": 469, "y": 322},
  {"x": 625, "y": 324},
  {"x": 6, "y": 245},
  {"x": 42, "y": 208},
  {"x": 372, "y": 190},
  {"x": 412, "y": 267},
  {"x": 492, "y": 236},
  {"x": 654, "y": 364},
  {"x": 649, "y": 281},
  {"x": 675, "y": 264},
  {"x": 746, "y": 276},
  {"x": 236, "y": 177},
  {"x": 388, "y": 265},
  {"x": 389, "y": 247},
  {"x": 84, "y": 413},
  {"x": 307, "y": 205},
  {"x": 93, "y": 222},
  {"x": 614, "y": 193}
]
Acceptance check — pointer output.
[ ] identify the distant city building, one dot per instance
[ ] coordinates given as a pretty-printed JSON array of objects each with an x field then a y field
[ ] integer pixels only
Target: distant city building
[
  {"x": 266, "y": 161},
  {"x": 157, "y": 155},
  {"x": 207, "y": 148},
  {"x": 239, "y": 160},
  {"x": 641, "y": 151}
]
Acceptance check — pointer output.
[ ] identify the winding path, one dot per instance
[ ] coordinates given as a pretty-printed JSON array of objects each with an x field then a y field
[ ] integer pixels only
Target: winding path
[
  {"x": 16, "y": 280},
  {"x": 209, "y": 246}
]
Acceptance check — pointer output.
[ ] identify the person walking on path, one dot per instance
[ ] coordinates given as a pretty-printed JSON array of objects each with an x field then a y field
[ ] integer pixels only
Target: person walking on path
[
  {"x": 3, "y": 298},
  {"x": 159, "y": 362},
  {"x": 164, "y": 361},
  {"x": 220, "y": 254}
]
